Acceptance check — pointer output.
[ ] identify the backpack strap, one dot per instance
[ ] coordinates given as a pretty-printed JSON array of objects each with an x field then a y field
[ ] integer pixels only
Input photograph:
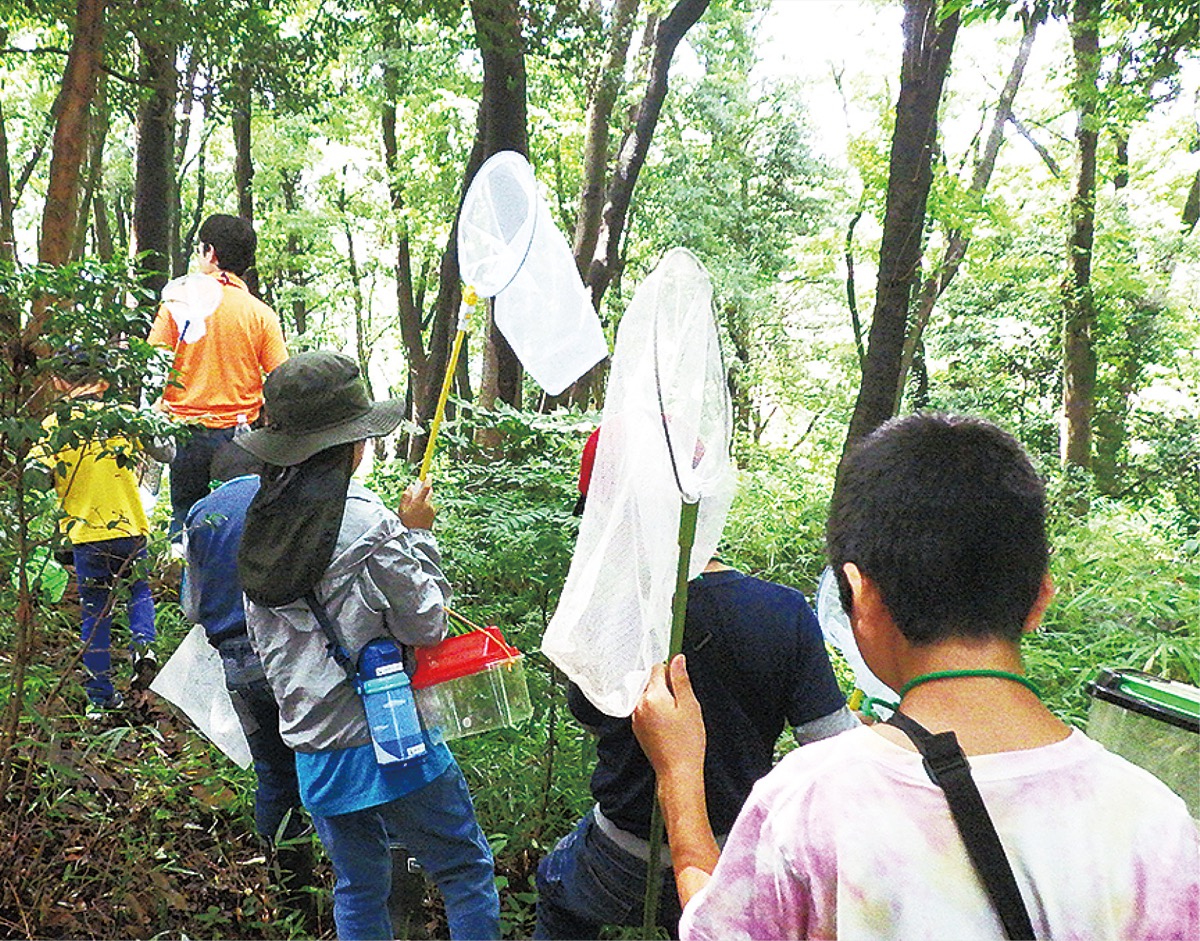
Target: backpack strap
[
  {"x": 333, "y": 646},
  {"x": 948, "y": 768}
]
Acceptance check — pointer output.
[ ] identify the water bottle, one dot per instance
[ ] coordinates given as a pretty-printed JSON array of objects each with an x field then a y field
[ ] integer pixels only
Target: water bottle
[{"x": 388, "y": 700}]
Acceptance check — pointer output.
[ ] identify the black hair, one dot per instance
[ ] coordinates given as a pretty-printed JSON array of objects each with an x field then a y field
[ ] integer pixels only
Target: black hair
[
  {"x": 233, "y": 239},
  {"x": 230, "y": 461},
  {"x": 947, "y": 517}
]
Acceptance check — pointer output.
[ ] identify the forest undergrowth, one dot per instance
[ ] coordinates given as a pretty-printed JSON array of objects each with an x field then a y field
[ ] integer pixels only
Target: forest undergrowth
[{"x": 136, "y": 827}]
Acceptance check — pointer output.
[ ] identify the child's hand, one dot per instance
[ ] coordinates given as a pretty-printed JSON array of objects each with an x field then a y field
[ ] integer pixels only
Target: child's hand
[
  {"x": 668, "y": 723},
  {"x": 416, "y": 506}
]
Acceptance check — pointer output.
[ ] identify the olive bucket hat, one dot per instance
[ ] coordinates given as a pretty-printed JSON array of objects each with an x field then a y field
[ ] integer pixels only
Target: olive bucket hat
[{"x": 314, "y": 401}]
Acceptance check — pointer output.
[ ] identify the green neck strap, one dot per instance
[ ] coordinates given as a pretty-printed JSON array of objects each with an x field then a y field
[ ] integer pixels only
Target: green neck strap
[{"x": 952, "y": 674}]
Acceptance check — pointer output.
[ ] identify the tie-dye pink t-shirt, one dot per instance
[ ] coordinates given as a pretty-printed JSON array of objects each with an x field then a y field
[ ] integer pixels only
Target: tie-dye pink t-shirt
[{"x": 848, "y": 838}]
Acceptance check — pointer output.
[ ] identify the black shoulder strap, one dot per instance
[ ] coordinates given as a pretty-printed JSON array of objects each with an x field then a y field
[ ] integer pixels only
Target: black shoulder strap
[
  {"x": 334, "y": 646},
  {"x": 948, "y": 768}
]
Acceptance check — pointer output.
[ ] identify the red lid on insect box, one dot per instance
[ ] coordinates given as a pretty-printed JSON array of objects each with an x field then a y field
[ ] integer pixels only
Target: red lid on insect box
[{"x": 461, "y": 655}]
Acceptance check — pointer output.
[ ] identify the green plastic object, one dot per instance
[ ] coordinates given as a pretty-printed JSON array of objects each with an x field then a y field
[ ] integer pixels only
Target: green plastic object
[
  {"x": 1152, "y": 722},
  {"x": 47, "y": 579}
]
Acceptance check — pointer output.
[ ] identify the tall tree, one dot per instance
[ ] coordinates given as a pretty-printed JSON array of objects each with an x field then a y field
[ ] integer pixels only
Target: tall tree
[
  {"x": 154, "y": 182},
  {"x": 928, "y": 44},
  {"x": 501, "y": 126},
  {"x": 61, "y": 210},
  {"x": 958, "y": 238},
  {"x": 408, "y": 312},
  {"x": 1079, "y": 311},
  {"x": 606, "y": 86},
  {"x": 7, "y": 248},
  {"x": 600, "y": 228},
  {"x": 636, "y": 145}
]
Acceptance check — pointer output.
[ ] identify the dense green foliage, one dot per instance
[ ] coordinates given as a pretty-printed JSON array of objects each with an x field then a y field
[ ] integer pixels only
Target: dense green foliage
[{"x": 137, "y": 827}]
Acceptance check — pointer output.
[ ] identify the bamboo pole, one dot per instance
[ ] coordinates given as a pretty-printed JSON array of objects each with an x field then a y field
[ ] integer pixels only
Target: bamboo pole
[{"x": 688, "y": 514}]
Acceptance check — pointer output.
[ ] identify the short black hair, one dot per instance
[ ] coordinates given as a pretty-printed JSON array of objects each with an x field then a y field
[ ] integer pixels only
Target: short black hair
[
  {"x": 230, "y": 461},
  {"x": 947, "y": 517},
  {"x": 233, "y": 239}
]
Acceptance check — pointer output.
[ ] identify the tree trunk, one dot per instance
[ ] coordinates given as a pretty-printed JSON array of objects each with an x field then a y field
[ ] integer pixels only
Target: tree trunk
[
  {"x": 928, "y": 45},
  {"x": 636, "y": 145},
  {"x": 502, "y": 125},
  {"x": 1191, "y": 206},
  {"x": 39, "y": 148},
  {"x": 605, "y": 88},
  {"x": 604, "y": 266},
  {"x": 181, "y": 242},
  {"x": 155, "y": 178},
  {"x": 188, "y": 238},
  {"x": 1079, "y": 314},
  {"x": 957, "y": 240},
  {"x": 92, "y": 202},
  {"x": 289, "y": 183},
  {"x": 243, "y": 164},
  {"x": 408, "y": 311},
  {"x": 70, "y": 134},
  {"x": 60, "y": 211},
  {"x": 8, "y": 248},
  {"x": 362, "y": 341}
]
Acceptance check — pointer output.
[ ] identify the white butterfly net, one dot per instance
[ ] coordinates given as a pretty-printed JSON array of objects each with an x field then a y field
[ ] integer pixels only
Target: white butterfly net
[
  {"x": 835, "y": 625},
  {"x": 665, "y": 434},
  {"x": 510, "y": 249}
]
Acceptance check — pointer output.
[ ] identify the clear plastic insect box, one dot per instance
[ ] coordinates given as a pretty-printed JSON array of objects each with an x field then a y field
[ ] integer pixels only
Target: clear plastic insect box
[
  {"x": 471, "y": 683},
  {"x": 1152, "y": 722}
]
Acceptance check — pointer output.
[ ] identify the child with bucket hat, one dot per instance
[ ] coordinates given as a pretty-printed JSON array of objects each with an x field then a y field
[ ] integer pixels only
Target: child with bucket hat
[{"x": 313, "y": 533}]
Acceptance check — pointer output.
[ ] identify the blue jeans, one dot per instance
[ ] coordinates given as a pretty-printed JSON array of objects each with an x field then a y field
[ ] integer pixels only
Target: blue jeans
[
  {"x": 588, "y": 881},
  {"x": 436, "y": 824},
  {"x": 191, "y": 471},
  {"x": 100, "y": 568},
  {"x": 278, "y": 789}
]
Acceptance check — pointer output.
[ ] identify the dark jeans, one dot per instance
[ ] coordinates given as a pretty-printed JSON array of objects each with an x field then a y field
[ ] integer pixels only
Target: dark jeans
[
  {"x": 100, "y": 568},
  {"x": 278, "y": 790},
  {"x": 436, "y": 824},
  {"x": 588, "y": 881},
  {"x": 191, "y": 471}
]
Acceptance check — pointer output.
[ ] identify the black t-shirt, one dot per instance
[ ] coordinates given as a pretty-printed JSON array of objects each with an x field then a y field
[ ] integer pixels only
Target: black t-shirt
[{"x": 756, "y": 659}]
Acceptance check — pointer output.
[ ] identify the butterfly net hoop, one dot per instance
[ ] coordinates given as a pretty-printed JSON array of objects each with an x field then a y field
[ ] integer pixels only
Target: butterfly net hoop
[
  {"x": 835, "y": 625},
  {"x": 664, "y": 435},
  {"x": 509, "y": 248}
]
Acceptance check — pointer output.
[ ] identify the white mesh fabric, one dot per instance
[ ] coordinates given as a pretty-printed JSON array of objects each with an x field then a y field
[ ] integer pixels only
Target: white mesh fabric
[
  {"x": 510, "y": 248},
  {"x": 194, "y": 680},
  {"x": 613, "y": 620},
  {"x": 835, "y": 625},
  {"x": 191, "y": 300},
  {"x": 495, "y": 226},
  {"x": 546, "y": 314}
]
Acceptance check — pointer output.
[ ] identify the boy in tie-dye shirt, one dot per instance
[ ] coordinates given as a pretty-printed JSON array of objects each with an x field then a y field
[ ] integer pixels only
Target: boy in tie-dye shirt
[{"x": 937, "y": 535}]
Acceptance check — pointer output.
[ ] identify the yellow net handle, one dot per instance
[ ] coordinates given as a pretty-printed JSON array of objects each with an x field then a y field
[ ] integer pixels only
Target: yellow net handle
[
  {"x": 469, "y": 300},
  {"x": 465, "y": 622}
]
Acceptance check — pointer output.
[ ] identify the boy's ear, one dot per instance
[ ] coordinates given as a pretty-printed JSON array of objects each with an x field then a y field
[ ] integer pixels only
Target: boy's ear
[
  {"x": 1044, "y": 596},
  {"x": 867, "y": 610},
  {"x": 875, "y": 631}
]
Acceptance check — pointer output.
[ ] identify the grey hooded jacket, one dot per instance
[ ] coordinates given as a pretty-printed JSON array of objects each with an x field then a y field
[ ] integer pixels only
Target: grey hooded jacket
[{"x": 384, "y": 579}]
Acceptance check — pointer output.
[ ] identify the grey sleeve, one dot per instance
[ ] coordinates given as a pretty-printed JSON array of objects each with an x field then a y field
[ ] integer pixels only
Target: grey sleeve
[
  {"x": 406, "y": 571},
  {"x": 162, "y": 449},
  {"x": 838, "y": 721}
]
